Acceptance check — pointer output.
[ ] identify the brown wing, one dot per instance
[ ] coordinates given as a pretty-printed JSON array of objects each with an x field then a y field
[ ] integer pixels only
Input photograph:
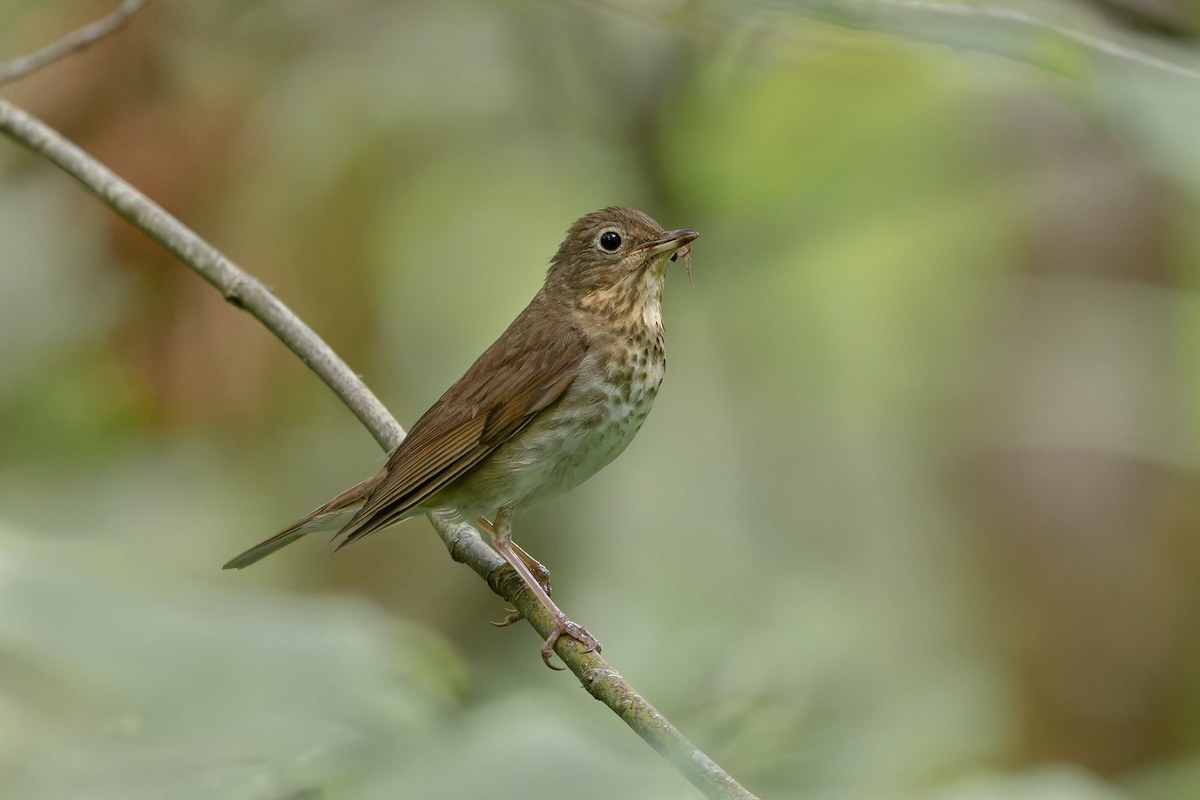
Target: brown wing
[{"x": 518, "y": 376}]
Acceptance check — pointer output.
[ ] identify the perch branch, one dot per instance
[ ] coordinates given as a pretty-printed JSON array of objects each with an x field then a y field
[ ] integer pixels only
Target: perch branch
[{"x": 596, "y": 675}]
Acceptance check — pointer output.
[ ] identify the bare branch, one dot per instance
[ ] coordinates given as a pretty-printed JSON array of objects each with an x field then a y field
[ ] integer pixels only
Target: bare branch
[
  {"x": 596, "y": 675},
  {"x": 993, "y": 29},
  {"x": 73, "y": 42}
]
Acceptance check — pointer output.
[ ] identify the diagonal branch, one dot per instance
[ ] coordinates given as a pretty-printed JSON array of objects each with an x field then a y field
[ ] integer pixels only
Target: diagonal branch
[
  {"x": 596, "y": 675},
  {"x": 71, "y": 43}
]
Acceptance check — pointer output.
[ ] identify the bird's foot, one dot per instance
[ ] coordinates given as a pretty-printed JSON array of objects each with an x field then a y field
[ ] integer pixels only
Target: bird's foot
[{"x": 564, "y": 626}]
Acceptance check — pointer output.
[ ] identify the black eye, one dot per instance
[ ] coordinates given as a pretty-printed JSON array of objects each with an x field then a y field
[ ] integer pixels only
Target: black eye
[{"x": 610, "y": 240}]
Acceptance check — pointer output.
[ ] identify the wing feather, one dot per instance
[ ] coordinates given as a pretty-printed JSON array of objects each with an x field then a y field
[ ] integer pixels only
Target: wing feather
[{"x": 502, "y": 393}]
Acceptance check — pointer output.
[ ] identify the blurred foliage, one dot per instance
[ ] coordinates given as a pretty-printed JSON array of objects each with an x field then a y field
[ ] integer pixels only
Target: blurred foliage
[{"x": 915, "y": 515}]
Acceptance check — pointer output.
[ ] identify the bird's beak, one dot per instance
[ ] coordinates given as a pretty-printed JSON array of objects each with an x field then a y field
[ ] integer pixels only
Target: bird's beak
[{"x": 671, "y": 240}]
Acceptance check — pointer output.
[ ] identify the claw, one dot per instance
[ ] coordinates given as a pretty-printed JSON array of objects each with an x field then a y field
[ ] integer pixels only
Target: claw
[{"x": 510, "y": 617}]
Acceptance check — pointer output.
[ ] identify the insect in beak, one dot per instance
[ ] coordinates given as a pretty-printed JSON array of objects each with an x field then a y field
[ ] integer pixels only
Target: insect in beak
[{"x": 686, "y": 252}]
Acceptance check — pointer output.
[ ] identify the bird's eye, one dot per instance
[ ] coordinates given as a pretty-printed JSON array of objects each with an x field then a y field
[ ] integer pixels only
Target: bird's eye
[{"x": 610, "y": 241}]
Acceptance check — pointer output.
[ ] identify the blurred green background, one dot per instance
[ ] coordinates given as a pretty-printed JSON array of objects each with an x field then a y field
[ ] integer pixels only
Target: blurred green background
[{"x": 916, "y": 512}]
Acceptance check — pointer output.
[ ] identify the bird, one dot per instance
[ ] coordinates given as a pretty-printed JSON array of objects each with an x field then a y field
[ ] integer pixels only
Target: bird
[{"x": 554, "y": 399}]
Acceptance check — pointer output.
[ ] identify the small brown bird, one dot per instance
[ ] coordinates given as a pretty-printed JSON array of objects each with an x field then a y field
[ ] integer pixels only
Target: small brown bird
[{"x": 558, "y": 396}]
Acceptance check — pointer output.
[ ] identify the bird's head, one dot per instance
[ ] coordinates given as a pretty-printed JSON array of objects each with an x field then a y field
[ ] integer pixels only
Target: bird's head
[{"x": 614, "y": 253}]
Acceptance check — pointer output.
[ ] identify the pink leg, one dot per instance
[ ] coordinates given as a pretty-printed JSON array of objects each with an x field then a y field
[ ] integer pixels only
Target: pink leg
[
  {"x": 540, "y": 572},
  {"x": 501, "y": 531},
  {"x": 536, "y": 567}
]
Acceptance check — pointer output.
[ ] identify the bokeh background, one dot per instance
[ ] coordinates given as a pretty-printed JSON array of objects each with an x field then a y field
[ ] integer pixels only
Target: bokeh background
[{"x": 916, "y": 514}]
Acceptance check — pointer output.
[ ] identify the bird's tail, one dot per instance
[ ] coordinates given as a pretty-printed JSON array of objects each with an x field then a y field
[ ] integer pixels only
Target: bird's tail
[{"x": 333, "y": 514}]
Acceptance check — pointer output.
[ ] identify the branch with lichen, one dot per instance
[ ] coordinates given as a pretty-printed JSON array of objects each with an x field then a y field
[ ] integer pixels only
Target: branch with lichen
[{"x": 241, "y": 289}]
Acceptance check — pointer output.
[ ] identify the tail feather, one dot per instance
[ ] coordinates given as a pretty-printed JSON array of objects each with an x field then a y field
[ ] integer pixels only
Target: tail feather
[{"x": 333, "y": 514}]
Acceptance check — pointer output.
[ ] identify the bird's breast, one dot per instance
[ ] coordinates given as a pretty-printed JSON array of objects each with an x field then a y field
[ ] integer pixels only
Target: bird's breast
[{"x": 594, "y": 421}]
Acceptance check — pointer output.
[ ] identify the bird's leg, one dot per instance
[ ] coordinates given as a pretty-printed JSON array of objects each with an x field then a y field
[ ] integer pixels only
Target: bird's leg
[
  {"x": 536, "y": 567},
  {"x": 540, "y": 572},
  {"x": 501, "y": 531}
]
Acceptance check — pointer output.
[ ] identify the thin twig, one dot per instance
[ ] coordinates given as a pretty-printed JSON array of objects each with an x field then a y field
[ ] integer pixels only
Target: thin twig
[
  {"x": 983, "y": 27},
  {"x": 464, "y": 543},
  {"x": 73, "y": 42}
]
